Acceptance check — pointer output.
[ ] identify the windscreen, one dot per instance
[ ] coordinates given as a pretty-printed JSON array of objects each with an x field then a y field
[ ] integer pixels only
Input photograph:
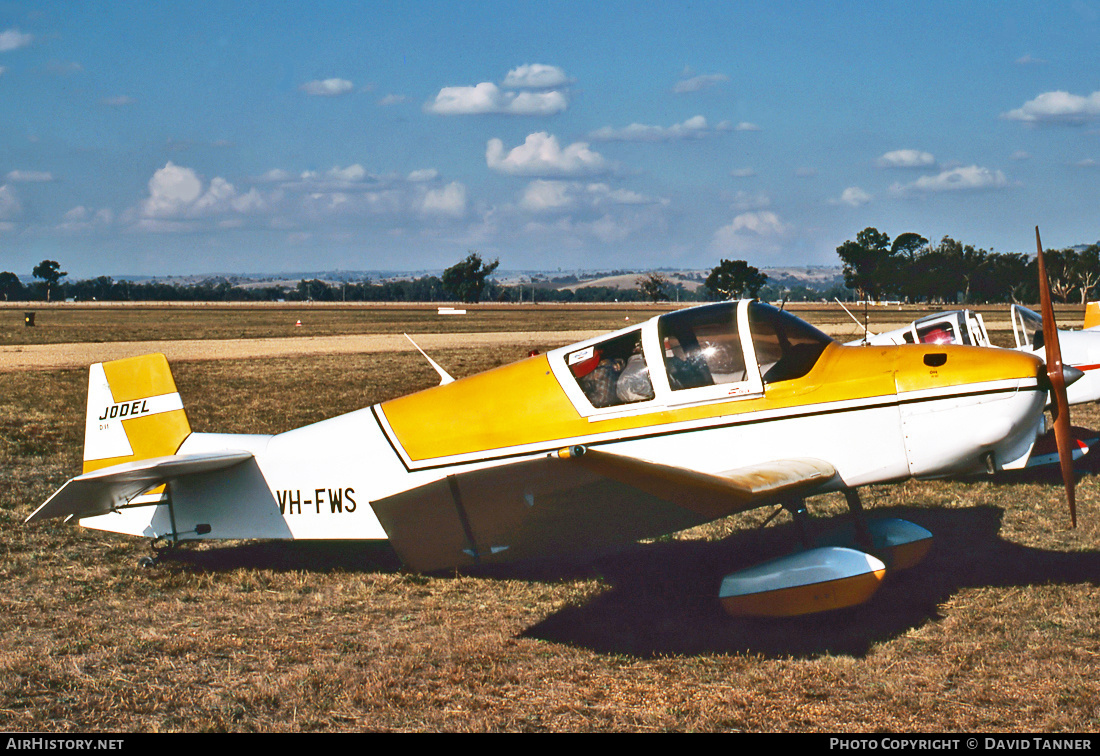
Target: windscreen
[
  {"x": 701, "y": 346},
  {"x": 1032, "y": 324},
  {"x": 787, "y": 347}
]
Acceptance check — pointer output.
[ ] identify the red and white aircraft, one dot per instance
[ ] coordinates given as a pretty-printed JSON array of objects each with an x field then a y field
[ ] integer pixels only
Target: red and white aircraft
[{"x": 688, "y": 417}]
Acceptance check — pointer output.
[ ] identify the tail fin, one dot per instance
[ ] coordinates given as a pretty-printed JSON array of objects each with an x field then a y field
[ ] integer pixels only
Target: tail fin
[
  {"x": 1092, "y": 315},
  {"x": 132, "y": 437},
  {"x": 134, "y": 412}
]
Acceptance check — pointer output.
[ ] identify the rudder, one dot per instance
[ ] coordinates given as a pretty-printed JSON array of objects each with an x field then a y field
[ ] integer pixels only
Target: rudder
[
  {"x": 1092, "y": 315},
  {"x": 134, "y": 412}
]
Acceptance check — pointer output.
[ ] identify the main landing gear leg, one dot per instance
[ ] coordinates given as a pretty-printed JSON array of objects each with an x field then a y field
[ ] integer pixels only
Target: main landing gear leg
[
  {"x": 815, "y": 579},
  {"x": 797, "y": 508},
  {"x": 859, "y": 520},
  {"x": 844, "y": 569}
]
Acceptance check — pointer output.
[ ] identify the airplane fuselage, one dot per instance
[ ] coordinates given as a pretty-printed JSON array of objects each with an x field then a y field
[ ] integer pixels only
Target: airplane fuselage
[{"x": 875, "y": 413}]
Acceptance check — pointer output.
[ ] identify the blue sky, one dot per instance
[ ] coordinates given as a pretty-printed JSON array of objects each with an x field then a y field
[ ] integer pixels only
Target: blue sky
[{"x": 178, "y": 138}]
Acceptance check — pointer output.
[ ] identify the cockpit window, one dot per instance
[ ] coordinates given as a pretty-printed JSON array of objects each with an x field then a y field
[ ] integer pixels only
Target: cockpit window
[
  {"x": 701, "y": 346},
  {"x": 612, "y": 372},
  {"x": 1031, "y": 324},
  {"x": 786, "y": 347},
  {"x": 941, "y": 330},
  {"x": 936, "y": 333}
]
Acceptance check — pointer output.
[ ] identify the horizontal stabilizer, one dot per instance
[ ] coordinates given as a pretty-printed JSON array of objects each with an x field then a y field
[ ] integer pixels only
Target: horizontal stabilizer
[
  {"x": 1045, "y": 451},
  {"x": 110, "y": 488}
]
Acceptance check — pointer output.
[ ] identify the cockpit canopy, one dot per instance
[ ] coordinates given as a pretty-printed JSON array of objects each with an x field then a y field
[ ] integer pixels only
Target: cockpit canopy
[
  {"x": 1027, "y": 328},
  {"x": 952, "y": 327},
  {"x": 724, "y": 350}
]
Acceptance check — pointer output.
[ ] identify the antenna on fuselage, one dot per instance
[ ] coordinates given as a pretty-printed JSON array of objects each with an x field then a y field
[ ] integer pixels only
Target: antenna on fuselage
[
  {"x": 444, "y": 376},
  {"x": 862, "y": 325}
]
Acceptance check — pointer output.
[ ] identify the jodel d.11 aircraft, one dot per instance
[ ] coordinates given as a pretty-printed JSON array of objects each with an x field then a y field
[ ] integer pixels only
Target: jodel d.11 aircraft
[{"x": 688, "y": 417}]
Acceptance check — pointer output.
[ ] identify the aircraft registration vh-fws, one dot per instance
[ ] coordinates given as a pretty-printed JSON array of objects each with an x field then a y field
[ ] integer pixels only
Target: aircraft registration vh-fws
[{"x": 688, "y": 417}]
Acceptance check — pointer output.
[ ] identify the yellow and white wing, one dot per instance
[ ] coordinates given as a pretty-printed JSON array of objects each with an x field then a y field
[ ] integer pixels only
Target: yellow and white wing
[{"x": 575, "y": 501}]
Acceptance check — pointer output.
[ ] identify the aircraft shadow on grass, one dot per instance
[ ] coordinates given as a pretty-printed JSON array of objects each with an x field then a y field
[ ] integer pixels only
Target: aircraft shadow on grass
[{"x": 661, "y": 597}]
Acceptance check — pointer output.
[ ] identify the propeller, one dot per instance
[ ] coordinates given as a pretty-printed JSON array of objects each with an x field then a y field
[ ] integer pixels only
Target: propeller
[{"x": 1059, "y": 405}]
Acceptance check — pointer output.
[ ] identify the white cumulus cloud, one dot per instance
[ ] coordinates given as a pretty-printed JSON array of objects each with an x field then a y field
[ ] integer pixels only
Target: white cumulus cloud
[
  {"x": 352, "y": 177},
  {"x": 81, "y": 219},
  {"x": 602, "y": 194},
  {"x": 13, "y": 39},
  {"x": 692, "y": 128},
  {"x": 535, "y": 76},
  {"x": 542, "y": 195},
  {"x": 1057, "y": 107},
  {"x": 750, "y": 233},
  {"x": 853, "y": 196},
  {"x": 277, "y": 175},
  {"x": 969, "y": 178},
  {"x": 10, "y": 207},
  {"x": 487, "y": 97},
  {"x": 743, "y": 201},
  {"x": 758, "y": 232},
  {"x": 176, "y": 193},
  {"x": 541, "y": 155},
  {"x": 30, "y": 176},
  {"x": 696, "y": 83},
  {"x": 172, "y": 190},
  {"x": 906, "y": 159},
  {"x": 449, "y": 200},
  {"x": 327, "y": 87}
]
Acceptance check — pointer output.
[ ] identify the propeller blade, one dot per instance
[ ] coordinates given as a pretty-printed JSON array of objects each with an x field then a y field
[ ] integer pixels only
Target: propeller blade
[{"x": 1063, "y": 435}]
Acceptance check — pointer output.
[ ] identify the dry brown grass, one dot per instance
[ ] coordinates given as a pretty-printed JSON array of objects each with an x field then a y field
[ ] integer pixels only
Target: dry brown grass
[
  {"x": 62, "y": 323},
  {"x": 74, "y": 323},
  {"x": 995, "y": 631}
]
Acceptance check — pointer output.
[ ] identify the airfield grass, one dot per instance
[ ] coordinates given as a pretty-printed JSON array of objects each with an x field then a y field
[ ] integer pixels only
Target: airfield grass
[
  {"x": 69, "y": 323},
  {"x": 997, "y": 630},
  {"x": 62, "y": 323}
]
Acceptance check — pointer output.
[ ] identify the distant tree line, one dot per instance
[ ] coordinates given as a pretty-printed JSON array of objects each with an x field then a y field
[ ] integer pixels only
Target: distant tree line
[
  {"x": 913, "y": 269},
  {"x": 466, "y": 281},
  {"x": 874, "y": 267}
]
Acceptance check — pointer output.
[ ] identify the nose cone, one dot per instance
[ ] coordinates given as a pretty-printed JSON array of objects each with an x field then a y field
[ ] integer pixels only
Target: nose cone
[{"x": 1071, "y": 374}]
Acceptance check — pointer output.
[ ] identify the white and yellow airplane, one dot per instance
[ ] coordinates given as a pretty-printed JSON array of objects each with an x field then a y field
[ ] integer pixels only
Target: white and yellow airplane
[
  {"x": 1080, "y": 349},
  {"x": 688, "y": 417}
]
